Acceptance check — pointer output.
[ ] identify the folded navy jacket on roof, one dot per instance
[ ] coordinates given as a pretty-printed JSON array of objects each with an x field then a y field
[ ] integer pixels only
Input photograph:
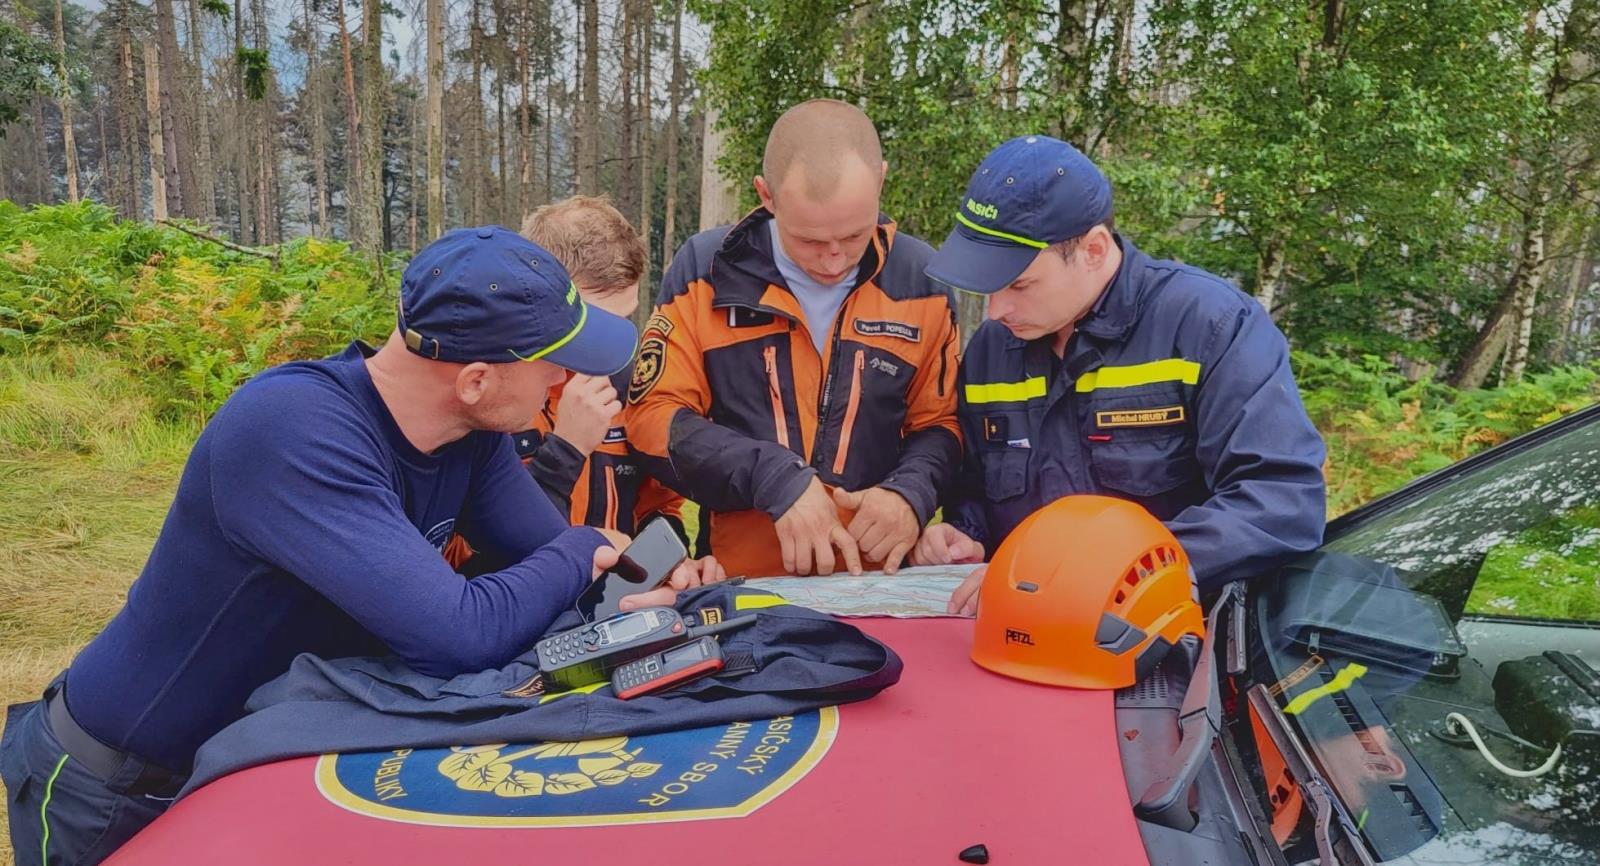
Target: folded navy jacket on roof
[{"x": 799, "y": 660}]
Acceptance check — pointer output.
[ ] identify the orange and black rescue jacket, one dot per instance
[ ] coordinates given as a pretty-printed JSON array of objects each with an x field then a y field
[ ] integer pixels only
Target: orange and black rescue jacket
[
  {"x": 606, "y": 489},
  {"x": 732, "y": 406}
]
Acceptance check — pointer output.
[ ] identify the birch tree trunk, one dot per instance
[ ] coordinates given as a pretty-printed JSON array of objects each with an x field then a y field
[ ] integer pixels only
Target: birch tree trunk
[
  {"x": 1269, "y": 273},
  {"x": 1493, "y": 338}
]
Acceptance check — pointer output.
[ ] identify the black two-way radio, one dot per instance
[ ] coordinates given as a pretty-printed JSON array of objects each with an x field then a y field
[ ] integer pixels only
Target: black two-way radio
[{"x": 588, "y": 654}]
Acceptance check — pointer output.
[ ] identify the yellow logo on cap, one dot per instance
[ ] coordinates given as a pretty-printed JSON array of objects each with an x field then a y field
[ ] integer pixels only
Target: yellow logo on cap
[
  {"x": 987, "y": 211},
  {"x": 572, "y": 292}
]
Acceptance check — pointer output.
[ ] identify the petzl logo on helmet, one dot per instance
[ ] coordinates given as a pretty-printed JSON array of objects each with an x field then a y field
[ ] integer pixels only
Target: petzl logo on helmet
[
  {"x": 1018, "y": 636},
  {"x": 987, "y": 211},
  {"x": 727, "y": 771}
]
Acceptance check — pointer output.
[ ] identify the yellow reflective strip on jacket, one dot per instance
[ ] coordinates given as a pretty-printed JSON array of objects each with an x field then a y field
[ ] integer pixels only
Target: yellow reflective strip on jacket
[
  {"x": 580, "y": 690},
  {"x": 1170, "y": 370},
  {"x": 757, "y": 602},
  {"x": 1345, "y": 678},
  {"x": 1007, "y": 392}
]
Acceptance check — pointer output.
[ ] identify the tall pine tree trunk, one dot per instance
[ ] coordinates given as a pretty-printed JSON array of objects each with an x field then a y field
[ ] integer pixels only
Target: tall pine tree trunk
[
  {"x": 128, "y": 127},
  {"x": 266, "y": 151},
  {"x": 64, "y": 100},
  {"x": 242, "y": 163},
  {"x": 353, "y": 195},
  {"x": 205, "y": 171},
  {"x": 524, "y": 121},
  {"x": 105, "y": 153},
  {"x": 647, "y": 127},
  {"x": 180, "y": 170},
  {"x": 549, "y": 140},
  {"x": 475, "y": 132},
  {"x": 319, "y": 135},
  {"x": 152, "y": 101},
  {"x": 435, "y": 13},
  {"x": 504, "y": 205},
  {"x": 626, "y": 72},
  {"x": 372, "y": 115},
  {"x": 589, "y": 176},
  {"x": 669, "y": 226}
]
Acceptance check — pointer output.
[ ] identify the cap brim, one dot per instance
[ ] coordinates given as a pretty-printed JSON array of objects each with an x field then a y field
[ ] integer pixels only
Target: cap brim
[
  {"x": 601, "y": 345},
  {"x": 978, "y": 264}
]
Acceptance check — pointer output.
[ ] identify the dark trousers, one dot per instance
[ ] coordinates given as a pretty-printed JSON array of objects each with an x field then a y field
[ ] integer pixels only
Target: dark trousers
[{"x": 61, "y": 814}]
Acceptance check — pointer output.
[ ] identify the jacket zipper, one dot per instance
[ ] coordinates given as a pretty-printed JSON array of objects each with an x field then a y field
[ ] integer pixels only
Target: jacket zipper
[
  {"x": 826, "y": 396},
  {"x": 776, "y": 393},
  {"x": 850, "y": 412}
]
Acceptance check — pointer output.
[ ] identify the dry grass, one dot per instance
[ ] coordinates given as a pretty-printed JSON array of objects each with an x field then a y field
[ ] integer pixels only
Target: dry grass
[{"x": 86, "y": 475}]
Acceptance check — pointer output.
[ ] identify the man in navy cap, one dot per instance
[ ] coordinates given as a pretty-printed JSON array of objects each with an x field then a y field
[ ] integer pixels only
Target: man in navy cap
[
  {"x": 309, "y": 518},
  {"x": 1102, "y": 370}
]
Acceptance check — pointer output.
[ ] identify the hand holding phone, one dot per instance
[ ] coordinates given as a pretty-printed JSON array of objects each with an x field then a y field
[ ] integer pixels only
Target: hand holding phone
[{"x": 645, "y": 564}]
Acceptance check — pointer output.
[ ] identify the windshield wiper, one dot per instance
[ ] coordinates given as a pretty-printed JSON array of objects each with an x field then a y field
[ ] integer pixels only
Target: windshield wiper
[
  {"x": 1166, "y": 801},
  {"x": 1327, "y": 811}
]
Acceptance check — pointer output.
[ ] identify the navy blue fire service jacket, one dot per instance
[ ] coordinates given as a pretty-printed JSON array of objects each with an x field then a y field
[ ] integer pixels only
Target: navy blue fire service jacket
[
  {"x": 792, "y": 659},
  {"x": 1175, "y": 393}
]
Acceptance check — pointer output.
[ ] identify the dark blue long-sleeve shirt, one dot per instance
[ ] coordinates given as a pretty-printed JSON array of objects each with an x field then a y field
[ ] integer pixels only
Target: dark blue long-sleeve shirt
[{"x": 306, "y": 522}]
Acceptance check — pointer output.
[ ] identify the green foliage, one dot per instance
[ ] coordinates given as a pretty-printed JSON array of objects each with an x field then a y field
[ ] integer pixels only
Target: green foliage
[
  {"x": 926, "y": 71},
  {"x": 1383, "y": 429},
  {"x": 1381, "y": 157},
  {"x": 256, "y": 66},
  {"x": 25, "y": 63},
  {"x": 198, "y": 318}
]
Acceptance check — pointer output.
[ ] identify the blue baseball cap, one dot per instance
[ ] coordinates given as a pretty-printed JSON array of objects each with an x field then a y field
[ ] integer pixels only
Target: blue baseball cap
[
  {"x": 489, "y": 294},
  {"x": 1027, "y": 194}
]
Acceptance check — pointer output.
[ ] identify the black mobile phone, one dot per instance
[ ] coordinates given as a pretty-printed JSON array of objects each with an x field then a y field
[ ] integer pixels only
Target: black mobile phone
[{"x": 643, "y": 566}]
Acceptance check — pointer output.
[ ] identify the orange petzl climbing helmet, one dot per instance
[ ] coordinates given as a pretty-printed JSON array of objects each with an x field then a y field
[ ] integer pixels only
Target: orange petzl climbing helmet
[{"x": 1088, "y": 591}]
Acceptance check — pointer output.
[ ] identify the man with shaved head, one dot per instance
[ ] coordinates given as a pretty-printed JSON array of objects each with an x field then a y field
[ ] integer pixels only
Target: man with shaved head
[{"x": 798, "y": 376}]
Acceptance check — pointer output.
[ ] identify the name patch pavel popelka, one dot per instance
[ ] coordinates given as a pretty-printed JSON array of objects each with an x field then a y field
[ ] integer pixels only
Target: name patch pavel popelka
[
  {"x": 902, "y": 330},
  {"x": 1156, "y": 417}
]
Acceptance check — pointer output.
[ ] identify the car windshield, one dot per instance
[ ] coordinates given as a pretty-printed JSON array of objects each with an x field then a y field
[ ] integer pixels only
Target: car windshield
[{"x": 1468, "y": 611}]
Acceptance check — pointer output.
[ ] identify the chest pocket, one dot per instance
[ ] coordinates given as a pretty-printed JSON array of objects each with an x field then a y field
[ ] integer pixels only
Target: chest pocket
[
  {"x": 1141, "y": 439},
  {"x": 1002, "y": 438}
]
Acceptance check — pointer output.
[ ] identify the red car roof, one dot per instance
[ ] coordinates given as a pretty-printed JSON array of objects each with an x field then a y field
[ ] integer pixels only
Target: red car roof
[{"x": 950, "y": 757}]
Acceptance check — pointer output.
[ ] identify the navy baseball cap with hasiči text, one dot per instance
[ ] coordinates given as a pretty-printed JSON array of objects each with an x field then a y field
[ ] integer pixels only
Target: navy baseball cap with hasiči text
[
  {"x": 1028, "y": 193},
  {"x": 489, "y": 294}
]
